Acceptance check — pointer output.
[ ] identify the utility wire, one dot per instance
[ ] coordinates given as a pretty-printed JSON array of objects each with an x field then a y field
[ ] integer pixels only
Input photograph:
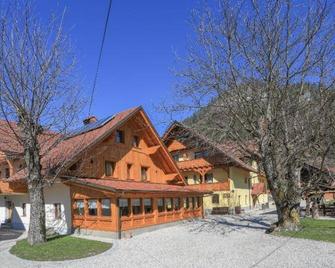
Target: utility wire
[{"x": 100, "y": 56}]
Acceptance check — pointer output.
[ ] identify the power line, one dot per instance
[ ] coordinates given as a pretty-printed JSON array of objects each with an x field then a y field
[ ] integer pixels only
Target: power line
[{"x": 100, "y": 56}]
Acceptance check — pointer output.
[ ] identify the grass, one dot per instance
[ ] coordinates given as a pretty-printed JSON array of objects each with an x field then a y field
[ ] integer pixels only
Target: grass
[
  {"x": 321, "y": 230},
  {"x": 59, "y": 249}
]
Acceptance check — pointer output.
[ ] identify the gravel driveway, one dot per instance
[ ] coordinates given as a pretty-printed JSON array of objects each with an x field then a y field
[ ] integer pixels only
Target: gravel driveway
[{"x": 219, "y": 241}]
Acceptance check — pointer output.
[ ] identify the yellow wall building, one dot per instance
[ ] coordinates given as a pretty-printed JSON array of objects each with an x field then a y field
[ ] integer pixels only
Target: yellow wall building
[{"x": 207, "y": 166}]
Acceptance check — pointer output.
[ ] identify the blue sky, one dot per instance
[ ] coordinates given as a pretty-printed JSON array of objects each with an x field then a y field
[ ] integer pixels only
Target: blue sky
[{"x": 139, "y": 51}]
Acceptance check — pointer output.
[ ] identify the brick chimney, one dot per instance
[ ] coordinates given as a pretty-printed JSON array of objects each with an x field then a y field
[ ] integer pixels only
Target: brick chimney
[{"x": 89, "y": 120}]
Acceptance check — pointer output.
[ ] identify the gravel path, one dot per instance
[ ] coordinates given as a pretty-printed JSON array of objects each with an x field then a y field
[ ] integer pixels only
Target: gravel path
[{"x": 219, "y": 241}]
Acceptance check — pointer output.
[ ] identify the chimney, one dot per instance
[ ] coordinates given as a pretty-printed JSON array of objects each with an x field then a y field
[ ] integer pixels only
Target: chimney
[{"x": 89, "y": 120}]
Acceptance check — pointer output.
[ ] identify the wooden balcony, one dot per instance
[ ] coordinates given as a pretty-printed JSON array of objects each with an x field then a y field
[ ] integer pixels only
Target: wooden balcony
[
  {"x": 216, "y": 186},
  {"x": 15, "y": 187}
]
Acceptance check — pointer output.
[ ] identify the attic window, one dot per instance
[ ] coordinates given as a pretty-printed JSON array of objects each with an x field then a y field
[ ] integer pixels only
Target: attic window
[
  {"x": 119, "y": 136},
  {"x": 7, "y": 173},
  {"x": 109, "y": 168},
  {"x": 136, "y": 141}
]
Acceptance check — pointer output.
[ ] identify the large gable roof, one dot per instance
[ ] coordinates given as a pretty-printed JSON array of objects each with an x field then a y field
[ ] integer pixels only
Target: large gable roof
[
  {"x": 227, "y": 151},
  {"x": 70, "y": 147}
]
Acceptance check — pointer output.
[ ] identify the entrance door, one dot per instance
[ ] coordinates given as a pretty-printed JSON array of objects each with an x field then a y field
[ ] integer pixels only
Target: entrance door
[{"x": 9, "y": 211}]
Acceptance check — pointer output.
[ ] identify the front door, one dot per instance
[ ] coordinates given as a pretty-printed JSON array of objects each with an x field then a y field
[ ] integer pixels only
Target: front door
[{"x": 9, "y": 211}]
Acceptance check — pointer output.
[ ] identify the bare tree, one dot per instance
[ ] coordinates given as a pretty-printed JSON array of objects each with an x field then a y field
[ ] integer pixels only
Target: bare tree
[
  {"x": 38, "y": 99},
  {"x": 261, "y": 74}
]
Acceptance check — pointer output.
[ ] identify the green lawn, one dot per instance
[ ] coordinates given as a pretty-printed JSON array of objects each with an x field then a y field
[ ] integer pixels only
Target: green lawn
[
  {"x": 322, "y": 230},
  {"x": 59, "y": 249}
]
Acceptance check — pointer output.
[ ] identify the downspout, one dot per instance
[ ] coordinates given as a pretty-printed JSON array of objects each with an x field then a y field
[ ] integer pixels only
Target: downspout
[{"x": 249, "y": 186}]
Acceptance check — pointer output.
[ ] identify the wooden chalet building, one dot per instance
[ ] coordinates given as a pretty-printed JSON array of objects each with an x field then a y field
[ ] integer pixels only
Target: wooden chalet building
[
  {"x": 118, "y": 177},
  {"x": 221, "y": 169}
]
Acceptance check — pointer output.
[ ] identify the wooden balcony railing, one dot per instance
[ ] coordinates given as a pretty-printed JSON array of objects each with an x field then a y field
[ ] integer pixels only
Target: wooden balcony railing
[{"x": 216, "y": 186}]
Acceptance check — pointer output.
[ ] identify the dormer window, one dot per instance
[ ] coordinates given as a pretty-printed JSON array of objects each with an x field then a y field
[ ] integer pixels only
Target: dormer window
[
  {"x": 136, "y": 141},
  {"x": 144, "y": 173},
  {"x": 109, "y": 168},
  {"x": 176, "y": 157},
  {"x": 119, "y": 136}
]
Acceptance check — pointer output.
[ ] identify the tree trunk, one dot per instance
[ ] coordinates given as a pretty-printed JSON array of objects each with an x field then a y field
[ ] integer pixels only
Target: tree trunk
[
  {"x": 308, "y": 207},
  {"x": 37, "y": 230},
  {"x": 315, "y": 210}
]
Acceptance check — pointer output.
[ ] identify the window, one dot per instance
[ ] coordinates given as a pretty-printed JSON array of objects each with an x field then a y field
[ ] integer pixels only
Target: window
[
  {"x": 186, "y": 179},
  {"x": 136, "y": 141},
  {"x": 129, "y": 168},
  {"x": 200, "y": 154},
  {"x": 209, "y": 178},
  {"x": 24, "y": 212},
  {"x": 144, "y": 173},
  {"x": 190, "y": 201},
  {"x": 147, "y": 205},
  {"x": 92, "y": 207},
  {"x": 58, "y": 211},
  {"x": 109, "y": 168},
  {"x": 79, "y": 207},
  {"x": 215, "y": 199},
  {"x": 196, "y": 202},
  {"x": 186, "y": 203},
  {"x": 176, "y": 157},
  {"x": 7, "y": 173},
  {"x": 168, "y": 204},
  {"x": 119, "y": 136},
  {"x": 176, "y": 203},
  {"x": 136, "y": 206},
  {"x": 160, "y": 205},
  {"x": 124, "y": 207},
  {"x": 105, "y": 207}
]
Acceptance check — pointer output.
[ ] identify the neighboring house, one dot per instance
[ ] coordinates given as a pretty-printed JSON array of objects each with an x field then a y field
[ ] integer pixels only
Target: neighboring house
[
  {"x": 209, "y": 166},
  {"x": 117, "y": 175},
  {"x": 317, "y": 182}
]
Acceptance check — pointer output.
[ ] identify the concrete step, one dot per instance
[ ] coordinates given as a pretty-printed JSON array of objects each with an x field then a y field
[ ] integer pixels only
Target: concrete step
[{"x": 6, "y": 226}]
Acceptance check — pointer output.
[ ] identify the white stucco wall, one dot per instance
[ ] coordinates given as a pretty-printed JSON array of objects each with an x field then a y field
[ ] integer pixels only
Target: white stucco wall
[{"x": 58, "y": 193}]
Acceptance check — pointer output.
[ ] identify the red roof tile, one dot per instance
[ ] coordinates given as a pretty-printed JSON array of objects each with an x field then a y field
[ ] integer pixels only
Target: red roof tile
[{"x": 134, "y": 186}]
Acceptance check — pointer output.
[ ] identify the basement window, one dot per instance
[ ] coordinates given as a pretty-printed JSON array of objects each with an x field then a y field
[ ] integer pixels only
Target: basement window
[{"x": 58, "y": 211}]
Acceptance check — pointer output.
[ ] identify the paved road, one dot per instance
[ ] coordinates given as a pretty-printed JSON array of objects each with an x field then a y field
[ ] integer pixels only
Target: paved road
[{"x": 215, "y": 242}]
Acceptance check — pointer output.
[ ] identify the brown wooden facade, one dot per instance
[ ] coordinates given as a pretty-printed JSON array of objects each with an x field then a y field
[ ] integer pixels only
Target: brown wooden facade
[
  {"x": 116, "y": 222},
  {"x": 140, "y": 148}
]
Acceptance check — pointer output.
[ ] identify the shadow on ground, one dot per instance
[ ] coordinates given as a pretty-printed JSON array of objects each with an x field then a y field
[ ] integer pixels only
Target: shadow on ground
[
  {"x": 8, "y": 234},
  {"x": 223, "y": 224}
]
